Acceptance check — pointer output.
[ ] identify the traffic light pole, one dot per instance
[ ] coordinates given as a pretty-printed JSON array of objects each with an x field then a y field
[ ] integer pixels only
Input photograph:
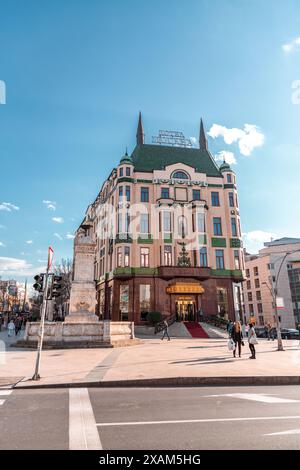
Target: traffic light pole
[{"x": 36, "y": 375}]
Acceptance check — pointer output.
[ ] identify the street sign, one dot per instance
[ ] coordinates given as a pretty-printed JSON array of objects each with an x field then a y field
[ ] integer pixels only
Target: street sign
[{"x": 279, "y": 303}]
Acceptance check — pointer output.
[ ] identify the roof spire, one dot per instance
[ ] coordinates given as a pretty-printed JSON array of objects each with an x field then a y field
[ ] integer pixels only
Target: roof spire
[
  {"x": 140, "y": 136},
  {"x": 202, "y": 137}
]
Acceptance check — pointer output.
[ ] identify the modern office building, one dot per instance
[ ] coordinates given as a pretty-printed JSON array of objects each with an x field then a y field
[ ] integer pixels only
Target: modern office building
[
  {"x": 167, "y": 233},
  {"x": 277, "y": 263}
]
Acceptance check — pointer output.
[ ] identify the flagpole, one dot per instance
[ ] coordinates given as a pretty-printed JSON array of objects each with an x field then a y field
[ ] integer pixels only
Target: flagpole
[{"x": 36, "y": 375}]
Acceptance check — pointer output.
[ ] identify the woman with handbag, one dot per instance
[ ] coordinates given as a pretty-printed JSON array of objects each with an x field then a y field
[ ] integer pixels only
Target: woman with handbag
[
  {"x": 252, "y": 340},
  {"x": 237, "y": 337}
]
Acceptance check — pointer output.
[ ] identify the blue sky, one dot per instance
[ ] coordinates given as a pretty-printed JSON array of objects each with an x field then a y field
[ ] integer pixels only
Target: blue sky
[{"x": 77, "y": 73}]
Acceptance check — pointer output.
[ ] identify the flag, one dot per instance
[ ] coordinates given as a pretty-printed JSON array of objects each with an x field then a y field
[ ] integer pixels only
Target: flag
[{"x": 50, "y": 257}]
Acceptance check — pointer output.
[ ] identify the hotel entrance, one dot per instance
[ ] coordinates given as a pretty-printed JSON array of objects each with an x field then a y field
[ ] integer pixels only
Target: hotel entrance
[{"x": 185, "y": 309}]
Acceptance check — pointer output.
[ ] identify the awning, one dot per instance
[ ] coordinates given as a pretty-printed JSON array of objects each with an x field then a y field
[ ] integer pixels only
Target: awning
[{"x": 185, "y": 288}]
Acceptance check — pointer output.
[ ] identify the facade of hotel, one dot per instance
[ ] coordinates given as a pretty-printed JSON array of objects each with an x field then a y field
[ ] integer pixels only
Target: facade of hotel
[
  {"x": 167, "y": 233},
  {"x": 261, "y": 276}
]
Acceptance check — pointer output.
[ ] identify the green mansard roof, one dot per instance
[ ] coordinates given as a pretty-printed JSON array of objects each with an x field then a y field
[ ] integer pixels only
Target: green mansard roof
[{"x": 148, "y": 157}]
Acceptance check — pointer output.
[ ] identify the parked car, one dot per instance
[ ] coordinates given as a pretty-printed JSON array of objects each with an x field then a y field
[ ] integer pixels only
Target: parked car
[
  {"x": 260, "y": 331},
  {"x": 290, "y": 333}
]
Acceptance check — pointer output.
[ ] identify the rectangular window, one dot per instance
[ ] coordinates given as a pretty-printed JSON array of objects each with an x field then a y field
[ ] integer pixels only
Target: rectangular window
[
  {"x": 233, "y": 227},
  {"x": 126, "y": 256},
  {"x": 248, "y": 285},
  {"x": 124, "y": 302},
  {"x": 229, "y": 178},
  {"x": 247, "y": 272},
  {"x": 144, "y": 194},
  {"x": 220, "y": 259},
  {"x": 196, "y": 195},
  {"x": 119, "y": 257},
  {"x": 168, "y": 255},
  {"x": 127, "y": 222},
  {"x": 215, "y": 200},
  {"x": 250, "y": 298},
  {"x": 258, "y": 295},
  {"x": 255, "y": 270},
  {"x": 203, "y": 257},
  {"x": 120, "y": 222},
  {"x": 237, "y": 264},
  {"x": 201, "y": 222},
  {"x": 165, "y": 193},
  {"x": 257, "y": 283},
  {"x": 167, "y": 221},
  {"x": 260, "y": 308},
  {"x": 120, "y": 192},
  {"x": 144, "y": 223},
  {"x": 127, "y": 171},
  {"x": 231, "y": 199},
  {"x": 251, "y": 309},
  {"x": 222, "y": 299},
  {"x": 217, "y": 226},
  {"x": 145, "y": 301},
  {"x": 121, "y": 172},
  {"x": 128, "y": 193},
  {"x": 145, "y": 257}
]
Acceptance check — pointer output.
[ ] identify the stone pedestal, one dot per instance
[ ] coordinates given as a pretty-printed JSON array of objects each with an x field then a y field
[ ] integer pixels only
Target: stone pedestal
[{"x": 83, "y": 290}]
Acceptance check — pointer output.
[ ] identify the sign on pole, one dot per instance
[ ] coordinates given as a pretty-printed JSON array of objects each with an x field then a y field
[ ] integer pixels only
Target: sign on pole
[{"x": 280, "y": 303}]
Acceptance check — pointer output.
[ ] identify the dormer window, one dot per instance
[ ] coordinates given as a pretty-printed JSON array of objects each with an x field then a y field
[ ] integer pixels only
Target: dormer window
[{"x": 180, "y": 175}]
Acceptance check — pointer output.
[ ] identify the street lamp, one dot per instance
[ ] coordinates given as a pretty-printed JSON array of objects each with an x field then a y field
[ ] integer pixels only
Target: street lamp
[{"x": 274, "y": 297}]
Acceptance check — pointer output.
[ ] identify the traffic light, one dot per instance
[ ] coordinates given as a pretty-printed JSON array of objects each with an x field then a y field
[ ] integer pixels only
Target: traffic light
[
  {"x": 56, "y": 286},
  {"x": 39, "y": 282}
]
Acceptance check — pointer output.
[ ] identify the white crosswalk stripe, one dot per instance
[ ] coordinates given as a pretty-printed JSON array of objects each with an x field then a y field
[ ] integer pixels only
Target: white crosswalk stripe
[
  {"x": 256, "y": 397},
  {"x": 4, "y": 393},
  {"x": 284, "y": 433}
]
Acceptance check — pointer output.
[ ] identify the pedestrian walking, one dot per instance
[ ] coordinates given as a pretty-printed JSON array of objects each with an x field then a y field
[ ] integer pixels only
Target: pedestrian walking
[
  {"x": 165, "y": 330},
  {"x": 229, "y": 328},
  {"x": 11, "y": 328},
  {"x": 18, "y": 325},
  {"x": 237, "y": 336},
  {"x": 252, "y": 340}
]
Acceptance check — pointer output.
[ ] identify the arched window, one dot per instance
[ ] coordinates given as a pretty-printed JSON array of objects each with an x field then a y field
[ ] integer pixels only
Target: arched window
[
  {"x": 180, "y": 175},
  {"x": 182, "y": 226}
]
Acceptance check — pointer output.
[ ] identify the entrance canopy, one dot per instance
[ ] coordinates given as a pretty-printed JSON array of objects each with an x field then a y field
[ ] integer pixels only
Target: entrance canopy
[{"x": 185, "y": 288}]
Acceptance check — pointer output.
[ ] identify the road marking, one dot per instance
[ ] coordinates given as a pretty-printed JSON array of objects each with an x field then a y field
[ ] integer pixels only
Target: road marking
[
  {"x": 256, "y": 397},
  {"x": 83, "y": 433},
  {"x": 1, "y": 402},
  {"x": 213, "y": 420},
  {"x": 291, "y": 431},
  {"x": 5, "y": 392}
]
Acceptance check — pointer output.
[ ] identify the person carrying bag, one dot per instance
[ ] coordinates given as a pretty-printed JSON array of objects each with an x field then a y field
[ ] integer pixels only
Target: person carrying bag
[{"x": 252, "y": 340}]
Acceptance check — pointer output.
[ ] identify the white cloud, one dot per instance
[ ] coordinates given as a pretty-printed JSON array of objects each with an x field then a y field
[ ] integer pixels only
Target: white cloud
[
  {"x": 58, "y": 220},
  {"x": 248, "y": 138},
  {"x": 290, "y": 46},
  {"x": 194, "y": 141},
  {"x": 254, "y": 240},
  {"x": 227, "y": 156},
  {"x": 17, "y": 268},
  {"x": 8, "y": 206},
  {"x": 50, "y": 204},
  {"x": 69, "y": 236},
  {"x": 2, "y": 244},
  {"x": 29, "y": 242},
  {"x": 58, "y": 236}
]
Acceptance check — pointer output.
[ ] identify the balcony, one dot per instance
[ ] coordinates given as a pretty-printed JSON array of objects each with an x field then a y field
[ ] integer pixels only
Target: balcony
[{"x": 165, "y": 201}]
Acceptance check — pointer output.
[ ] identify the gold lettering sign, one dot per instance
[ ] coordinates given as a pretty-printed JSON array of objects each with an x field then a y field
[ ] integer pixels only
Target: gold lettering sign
[{"x": 185, "y": 288}]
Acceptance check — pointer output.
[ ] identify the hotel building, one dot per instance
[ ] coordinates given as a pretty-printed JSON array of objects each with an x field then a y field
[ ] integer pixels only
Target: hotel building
[{"x": 167, "y": 233}]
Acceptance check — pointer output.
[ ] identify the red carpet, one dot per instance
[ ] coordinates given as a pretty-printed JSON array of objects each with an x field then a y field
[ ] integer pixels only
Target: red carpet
[{"x": 195, "y": 329}]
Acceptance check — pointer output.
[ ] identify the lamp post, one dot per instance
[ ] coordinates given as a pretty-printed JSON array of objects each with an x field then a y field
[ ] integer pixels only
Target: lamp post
[{"x": 274, "y": 292}]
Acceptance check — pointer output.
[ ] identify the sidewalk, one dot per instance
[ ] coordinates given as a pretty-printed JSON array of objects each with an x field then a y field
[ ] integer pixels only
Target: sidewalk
[{"x": 155, "y": 362}]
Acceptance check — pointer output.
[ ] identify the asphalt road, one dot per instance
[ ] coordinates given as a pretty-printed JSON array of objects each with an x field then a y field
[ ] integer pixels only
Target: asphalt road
[{"x": 161, "y": 418}]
